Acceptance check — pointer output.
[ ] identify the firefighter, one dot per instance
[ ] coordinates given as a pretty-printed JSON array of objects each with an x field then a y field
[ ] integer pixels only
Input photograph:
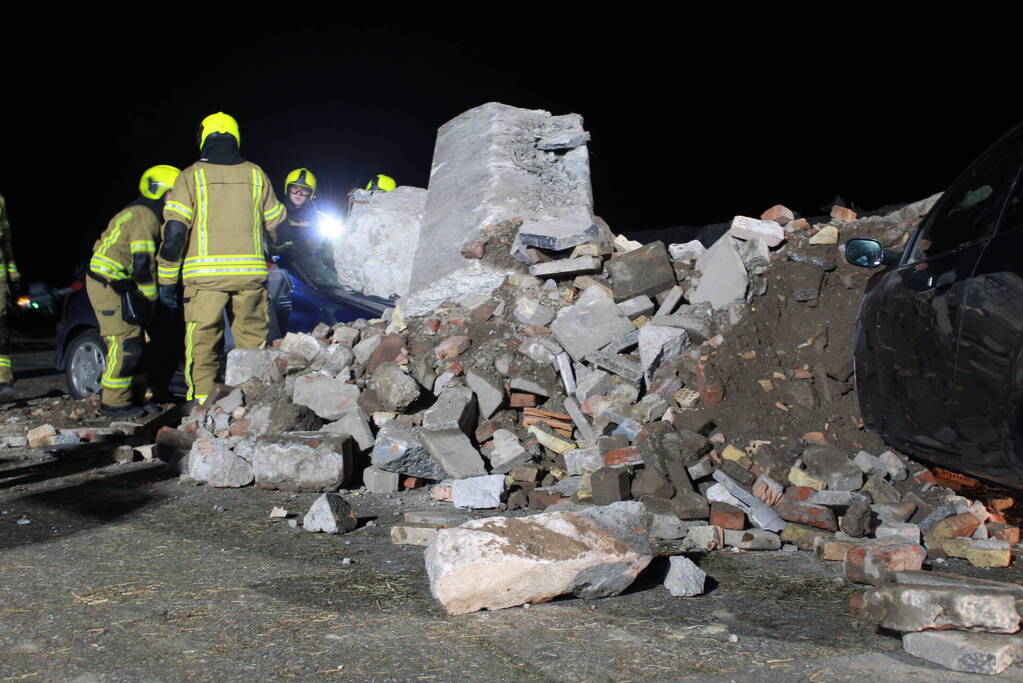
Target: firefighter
[
  {"x": 213, "y": 244},
  {"x": 381, "y": 183},
  {"x": 8, "y": 272},
  {"x": 300, "y": 225},
  {"x": 124, "y": 262}
]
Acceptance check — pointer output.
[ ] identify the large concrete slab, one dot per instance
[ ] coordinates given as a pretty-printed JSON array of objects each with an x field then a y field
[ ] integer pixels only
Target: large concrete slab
[
  {"x": 488, "y": 167},
  {"x": 375, "y": 251}
]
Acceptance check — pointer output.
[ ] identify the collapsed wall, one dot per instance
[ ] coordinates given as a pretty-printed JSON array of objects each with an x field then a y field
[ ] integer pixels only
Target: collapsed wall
[
  {"x": 375, "y": 253},
  {"x": 492, "y": 164}
]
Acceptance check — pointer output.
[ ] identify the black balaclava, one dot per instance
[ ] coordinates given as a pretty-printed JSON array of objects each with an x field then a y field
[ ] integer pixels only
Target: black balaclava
[{"x": 222, "y": 149}]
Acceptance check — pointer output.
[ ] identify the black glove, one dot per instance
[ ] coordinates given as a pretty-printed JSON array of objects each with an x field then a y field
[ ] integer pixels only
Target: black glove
[
  {"x": 121, "y": 286},
  {"x": 170, "y": 297}
]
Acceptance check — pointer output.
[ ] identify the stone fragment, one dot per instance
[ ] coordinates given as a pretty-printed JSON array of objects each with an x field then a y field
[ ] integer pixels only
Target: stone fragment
[
  {"x": 925, "y": 608},
  {"x": 658, "y": 345},
  {"x": 856, "y": 521},
  {"x": 582, "y": 460},
  {"x": 455, "y": 409},
  {"x": 636, "y": 306},
  {"x": 478, "y": 492},
  {"x": 412, "y": 533},
  {"x": 550, "y": 440},
  {"x": 905, "y": 531},
  {"x": 831, "y": 465},
  {"x": 300, "y": 344},
  {"x": 212, "y": 462},
  {"x": 609, "y": 485},
  {"x": 380, "y": 481},
  {"x": 978, "y": 653},
  {"x": 303, "y": 461},
  {"x": 723, "y": 275},
  {"x": 453, "y": 451},
  {"x": 644, "y": 271},
  {"x": 650, "y": 482},
  {"x": 398, "y": 449},
  {"x": 508, "y": 453},
  {"x": 331, "y": 514},
  {"x": 43, "y": 435},
  {"x": 686, "y": 251},
  {"x": 390, "y": 389},
  {"x": 704, "y": 539},
  {"x": 684, "y": 578},
  {"x": 869, "y": 464},
  {"x": 803, "y": 537},
  {"x": 619, "y": 364},
  {"x": 752, "y": 539},
  {"x": 881, "y": 491},
  {"x": 529, "y": 311},
  {"x": 593, "y": 322},
  {"x": 826, "y": 235},
  {"x": 326, "y": 396},
  {"x": 558, "y": 232},
  {"x": 893, "y": 464},
  {"x": 690, "y": 505},
  {"x": 245, "y": 364},
  {"x": 566, "y": 267},
  {"x": 747, "y": 228},
  {"x": 502, "y": 562},
  {"x": 355, "y": 424},
  {"x": 489, "y": 390}
]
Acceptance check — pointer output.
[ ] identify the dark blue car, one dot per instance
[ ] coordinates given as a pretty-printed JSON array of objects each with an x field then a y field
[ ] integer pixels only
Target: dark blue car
[{"x": 302, "y": 295}]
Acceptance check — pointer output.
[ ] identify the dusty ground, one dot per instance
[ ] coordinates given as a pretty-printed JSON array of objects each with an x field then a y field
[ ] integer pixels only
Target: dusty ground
[{"x": 124, "y": 574}]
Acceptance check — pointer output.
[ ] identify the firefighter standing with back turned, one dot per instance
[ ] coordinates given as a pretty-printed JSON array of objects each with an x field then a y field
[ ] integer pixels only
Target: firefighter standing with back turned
[
  {"x": 8, "y": 271},
  {"x": 215, "y": 219},
  {"x": 123, "y": 259}
]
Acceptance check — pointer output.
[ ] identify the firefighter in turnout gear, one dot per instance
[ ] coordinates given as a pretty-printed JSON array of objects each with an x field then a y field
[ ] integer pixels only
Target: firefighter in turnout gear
[
  {"x": 8, "y": 271},
  {"x": 213, "y": 244},
  {"x": 123, "y": 265}
]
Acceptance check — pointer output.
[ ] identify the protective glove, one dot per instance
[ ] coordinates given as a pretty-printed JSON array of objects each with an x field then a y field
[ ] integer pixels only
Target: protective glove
[{"x": 170, "y": 297}]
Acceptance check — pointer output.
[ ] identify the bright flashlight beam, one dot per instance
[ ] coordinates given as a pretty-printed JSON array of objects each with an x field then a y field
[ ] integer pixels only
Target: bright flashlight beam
[{"x": 330, "y": 226}]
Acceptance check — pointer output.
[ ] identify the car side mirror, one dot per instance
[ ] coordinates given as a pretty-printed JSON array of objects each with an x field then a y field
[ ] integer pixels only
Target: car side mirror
[{"x": 865, "y": 253}]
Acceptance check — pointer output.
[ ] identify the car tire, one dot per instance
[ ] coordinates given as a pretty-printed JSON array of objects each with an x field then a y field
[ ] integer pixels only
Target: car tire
[{"x": 86, "y": 359}]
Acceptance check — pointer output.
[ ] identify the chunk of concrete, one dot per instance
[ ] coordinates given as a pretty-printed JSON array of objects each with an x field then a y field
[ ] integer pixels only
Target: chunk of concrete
[
  {"x": 212, "y": 462},
  {"x": 455, "y": 409},
  {"x": 374, "y": 254},
  {"x": 303, "y": 461},
  {"x": 977, "y": 653},
  {"x": 507, "y": 452},
  {"x": 748, "y": 228},
  {"x": 398, "y": 449},
  {"x": 658, "y": 345},
  {"x": 925, "y": 608},
  {"x": 328, "y": 397},
  {"x": 393, "y": 389},
  {"x": 590, "y": 324},
  {"x": 453, "y": 451},
  {"x": 502, "y": 562},
  {"x": 478, "y": 492},
  {"x": 331, "y": 514},
  {"x": 487, "y": 168},
  {"x": 245, "y": 364},
  {"x": 489, "y": 390},
  {"x": 723, "y": 278},
  {"x": 687, "y": 251},
  {"x": 644, "y": 271},
  {"x": 380, "y": 481},
  {"x": 684, "y": 578},
  {"x": 566, "y": 267},
  {"x": 354, "y": 423}
]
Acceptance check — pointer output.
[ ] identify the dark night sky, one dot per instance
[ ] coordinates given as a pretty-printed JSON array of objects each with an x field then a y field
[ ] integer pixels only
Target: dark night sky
[{"x": 690, "y": 123}]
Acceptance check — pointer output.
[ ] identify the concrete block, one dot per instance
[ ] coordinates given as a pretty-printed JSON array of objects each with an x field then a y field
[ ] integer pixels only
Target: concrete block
[
  {"x": 391, "y": 389},
  {"x": 925, "y": 608},
  {"x": 212, "y": 462},
  {"x": 303, "y": 461},
  {"x": 508, "y": 453},
  {"x": 644, "y": 271},
  {"x": 380, "y": 481},
  {"x": 375, "y": 252},
  {"x": 455, "y": 409},
  {"x": 636, "y": 306},
  {"x": 326, "y": 396},
  {"x": 723, "y": 275},
  {"x": 684, "y": 578},
  {"x": 355, "y": 424},
  {"x": 411, "y": 533},
  {"x": 747, "y": 228},
  {"x": 489, "y": 390},
  {"x": 687, "y": 251},
  {"x": 398, "y": 449},
  {"x": 566, "y": 267},
  {"x": 752, "y": 539},
  {"x": 658, "y": 345},
  {"x": 977, "y": 653},
  {"x": 453, "y": 451},
  {"x": 478, "y": 492},
  {"x": 301, "y": 344},
  {"x": 245, "y": 364},
  {"x": 593, "y": 322},
  {"x": 486, "y": 168}
]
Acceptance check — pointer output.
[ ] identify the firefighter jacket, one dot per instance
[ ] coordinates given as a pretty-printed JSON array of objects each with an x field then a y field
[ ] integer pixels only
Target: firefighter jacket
[
  {"x": 226, "y": 208},
  {"x": 7, "y": 267},
  {"x": 127, "y": 248}
]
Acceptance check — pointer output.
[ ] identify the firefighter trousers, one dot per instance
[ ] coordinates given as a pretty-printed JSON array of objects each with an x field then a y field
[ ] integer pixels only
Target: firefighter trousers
[
  {"x": 6, "y": 373},
  {"x": 125, "y": 345},
  {"x": 204, "y": 330}
]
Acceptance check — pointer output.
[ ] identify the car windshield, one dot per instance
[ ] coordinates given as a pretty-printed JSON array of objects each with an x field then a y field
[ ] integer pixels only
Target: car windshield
[{"x": 312, "y": 265}]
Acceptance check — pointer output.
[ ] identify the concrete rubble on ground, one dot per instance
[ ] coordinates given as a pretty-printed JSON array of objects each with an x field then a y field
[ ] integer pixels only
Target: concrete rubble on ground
[{"x": 582, "y": 405}]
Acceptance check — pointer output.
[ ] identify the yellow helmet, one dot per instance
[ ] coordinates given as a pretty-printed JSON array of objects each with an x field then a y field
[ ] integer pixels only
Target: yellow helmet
[
  {"x": 219, "y": 123},
  {"x": 302, "y": 177},
  {"x": 382, "y": 183},
  {"x": 157, "y": 180}
]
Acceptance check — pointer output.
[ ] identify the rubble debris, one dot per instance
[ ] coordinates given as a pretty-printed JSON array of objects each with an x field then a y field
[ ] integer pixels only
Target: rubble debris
[
  {"x": 684, "y": 578},
  {"x": 331, "y": 514}
]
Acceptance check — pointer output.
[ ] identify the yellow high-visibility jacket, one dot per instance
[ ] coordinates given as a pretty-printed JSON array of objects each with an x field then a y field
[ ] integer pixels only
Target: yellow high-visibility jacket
[
  {"x": 127, "y": 248},
  {"x": 226, "y": 208},
  {"x": 7, "y": 267}
]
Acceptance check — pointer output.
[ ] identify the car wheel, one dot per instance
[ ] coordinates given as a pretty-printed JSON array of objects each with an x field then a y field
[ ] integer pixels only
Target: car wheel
[{"x": 87, "y": 358}]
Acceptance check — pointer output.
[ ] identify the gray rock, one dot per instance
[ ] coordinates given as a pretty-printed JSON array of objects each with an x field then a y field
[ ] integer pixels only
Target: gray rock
[
  {"x": 393, "y": 389},
  {"x": 212, "y": 462},
  {"x": 658, "y": 345},
  {"x": 686, "y": 251},
  {"x": 354, "y": 423},
  {"x": 723, "y": 277},
  {"x": 619, "y": 364},
  {"x": 301, "y": 344},
  {"x": 231, "y": 402},
  {"x": 542, "y": 351},
  {"x": 488, "y": 388},
  {"x": 628, "y": 520},
  {"x": 636, "y": 306},
  {"x": 326, "y": 396},
  {"x": 507, "y": 452},
  {"x": 529, "y": 311},
  {"x": 454, "y": 452},
  {"x": 978, "y": 653},
  {"x": 670, "y": 301},
  {"x": 564, "y": 230},
  {"x": 245, "y": 364},
  {"x": 566, "y": 267},
  {"x": 398, "y": 449},
  {"x": 455, "y": 409},
  {"x": 336, "y": 360},
  {"x": 831, "y": 465},
  {"x": 331, "y": 514},
  {"x": 646, "y": 270},
  {"x": 380, "y": 481},
  {"x": 565, "y": 369},
  {"x": 365, "y": 348},
  {"x": 478, "y": 492},
  {"x": 303, "y": 461},
  {"x": 593, "y": 322},
  {"x": 684, "y": 578}
]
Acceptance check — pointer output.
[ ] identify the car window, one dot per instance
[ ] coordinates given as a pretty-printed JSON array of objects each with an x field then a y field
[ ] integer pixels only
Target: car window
[{"x": 970, "y": 210}]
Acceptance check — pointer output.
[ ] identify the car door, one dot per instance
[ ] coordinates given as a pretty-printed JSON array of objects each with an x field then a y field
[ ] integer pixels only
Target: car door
[
  {"x": 912, "y": 317},
  {"x": 986, "y": 413}
]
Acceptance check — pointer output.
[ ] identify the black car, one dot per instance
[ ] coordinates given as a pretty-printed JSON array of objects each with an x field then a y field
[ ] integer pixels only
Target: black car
[{"x": 940, "y": 333}]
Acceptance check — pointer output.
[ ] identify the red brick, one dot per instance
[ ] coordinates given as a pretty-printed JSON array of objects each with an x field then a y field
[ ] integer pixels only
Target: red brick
[
  {"x": 727, "y": 516},
  {"x": 433, "y": 324},
  {"x": 799, "y": 224},
  {"x": 856, "y": 605},
  {"x": 474, "y": 250},
  {"x": 843, "y": 214},
  {"x": 873, "y": 562},
  {"x": 925, "y": 477},
  {"x": 412, "y": 482},
  {"x": 781, "y": 215},
  {"x": 953, "y": 527},
  {"x": 541, "y": 500},
  {"x": 1003, "y": 532},
  {"x": 451, "y": 347},
  {"x": 798, "y": 494},
  {"x": 834, "y": 550},
  {"x": 485, "y": 431},
  {"x": 815, "y": 437},
  {"x": 708, "y": 384},
  {"x": 483, "y": 313},
  {"x": 619, "y": 456},
  {"x": 239, "y": 427},
  {"x": 522, "y": 401},
  {"x": 1000, "y": 504},
  {"x": 385, "y": 352},
  {"x": 816, "y": 516}
]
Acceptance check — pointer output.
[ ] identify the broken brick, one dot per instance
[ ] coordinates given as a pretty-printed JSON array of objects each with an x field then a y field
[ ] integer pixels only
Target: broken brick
[{"x": 727, "y": 516}]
